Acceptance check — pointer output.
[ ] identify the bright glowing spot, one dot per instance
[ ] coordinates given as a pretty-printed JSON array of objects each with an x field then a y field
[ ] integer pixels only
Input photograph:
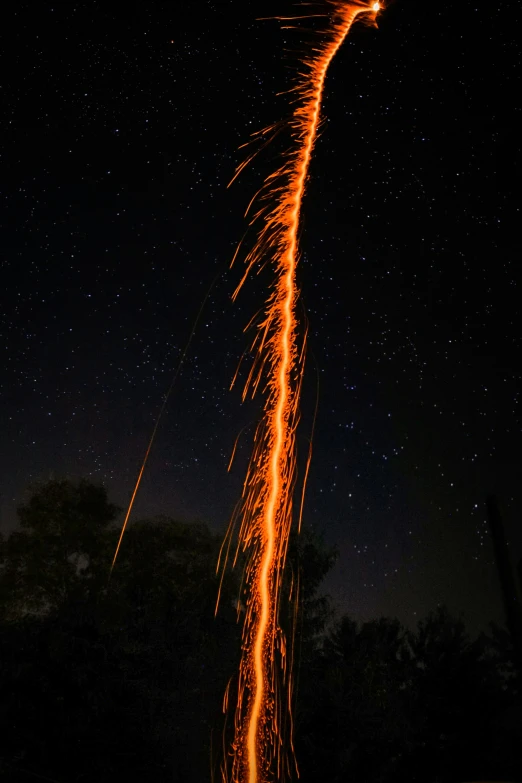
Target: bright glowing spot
[{"x": 376, "y": 7}]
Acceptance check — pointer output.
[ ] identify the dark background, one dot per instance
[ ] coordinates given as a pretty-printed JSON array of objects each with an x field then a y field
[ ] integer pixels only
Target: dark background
[{"x": 121, "y": 128}]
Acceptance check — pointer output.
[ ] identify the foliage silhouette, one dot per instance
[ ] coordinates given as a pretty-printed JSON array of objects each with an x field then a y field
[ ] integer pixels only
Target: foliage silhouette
[{"x": 124, "y": 679}]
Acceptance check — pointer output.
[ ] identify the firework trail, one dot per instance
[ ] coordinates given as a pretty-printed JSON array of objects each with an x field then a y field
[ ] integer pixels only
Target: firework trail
[
  {"x": 258, "y": 752},
  {"x": 157, "y": 423}
]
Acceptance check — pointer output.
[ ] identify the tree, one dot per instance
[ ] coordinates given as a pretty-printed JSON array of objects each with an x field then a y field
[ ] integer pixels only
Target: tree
[
  {"x": 106, "y": 680},
  {"x": 459, "y": 705},
  {"x": 177, "y": 653},
  {"x": 124, "y": 678},
  {"x": 309, "y": 561},
  {"x": 355, "y": 702},
  {"x": 58, "y": 555},
  {"x": 383, "y": 704}
]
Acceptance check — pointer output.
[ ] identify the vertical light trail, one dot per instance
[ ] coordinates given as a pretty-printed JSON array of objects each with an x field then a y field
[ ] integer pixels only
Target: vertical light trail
[{"x": 266, "y": 514}]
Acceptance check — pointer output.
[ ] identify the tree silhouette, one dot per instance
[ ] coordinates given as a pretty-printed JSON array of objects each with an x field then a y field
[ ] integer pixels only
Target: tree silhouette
[
  {"x": 123, "y": 679},
  {"x": 107, "y": 679},
  {"x": 380, "y": 703},
  {"x": 355, "y": 701},
  {"x": 59, "y": 553}
]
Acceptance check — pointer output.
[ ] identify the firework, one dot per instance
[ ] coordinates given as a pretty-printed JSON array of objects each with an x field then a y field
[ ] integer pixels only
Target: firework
[{"x": 258, "y": 750}]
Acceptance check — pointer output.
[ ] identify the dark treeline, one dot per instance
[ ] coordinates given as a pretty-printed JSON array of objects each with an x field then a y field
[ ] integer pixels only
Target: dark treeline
[{"x": 124, "y": 680}]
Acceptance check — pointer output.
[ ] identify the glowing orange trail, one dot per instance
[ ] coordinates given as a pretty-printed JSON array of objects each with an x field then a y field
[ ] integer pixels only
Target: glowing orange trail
[
  {"x": 266, "y": 514},
  {"x": 156, "y": 425}
]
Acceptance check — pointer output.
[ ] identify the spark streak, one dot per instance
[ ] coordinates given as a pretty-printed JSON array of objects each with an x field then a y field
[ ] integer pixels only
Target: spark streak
[
  {"x": 258, "y": 754},
  {"x": 156, "y": 425}
]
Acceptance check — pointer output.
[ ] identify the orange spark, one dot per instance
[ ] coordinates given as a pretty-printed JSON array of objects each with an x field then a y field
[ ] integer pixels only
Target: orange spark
[
  {"x": 267, "y": 503},
  {"x": 156, "y": 425}
]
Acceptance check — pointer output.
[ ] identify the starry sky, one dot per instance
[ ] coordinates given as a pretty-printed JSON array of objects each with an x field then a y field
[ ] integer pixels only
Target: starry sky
[{"x": 121, "y": 130}]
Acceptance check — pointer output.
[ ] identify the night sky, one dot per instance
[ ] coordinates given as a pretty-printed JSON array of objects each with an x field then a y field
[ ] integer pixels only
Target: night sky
[{"x": 121, "y": 125}]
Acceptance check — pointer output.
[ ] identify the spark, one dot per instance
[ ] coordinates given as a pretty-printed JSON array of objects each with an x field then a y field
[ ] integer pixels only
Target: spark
[
  {"x": 258, "y": 752},
  {"x": 157, "y": 423}
]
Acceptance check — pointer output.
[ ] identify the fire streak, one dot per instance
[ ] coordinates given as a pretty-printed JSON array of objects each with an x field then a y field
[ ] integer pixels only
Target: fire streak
[
  {"x": 266, "y": 511},
  {"x": 156, "y": 425}
]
